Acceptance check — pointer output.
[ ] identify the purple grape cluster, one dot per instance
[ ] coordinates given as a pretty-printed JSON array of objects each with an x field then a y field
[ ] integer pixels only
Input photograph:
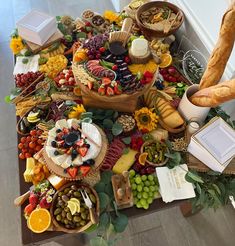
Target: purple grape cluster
[{"x": 95, "y": 45}]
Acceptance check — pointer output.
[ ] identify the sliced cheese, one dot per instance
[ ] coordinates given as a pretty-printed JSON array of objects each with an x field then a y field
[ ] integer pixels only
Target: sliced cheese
[
  {"x": 78, "y": 161},
  {"x": 61, "y": 124},
  {"x": 52, "y": 132},
  {"x": 59, "y": 159},
  {"x": 56, "y": 181},
  {"x": 67, "y": 163}
]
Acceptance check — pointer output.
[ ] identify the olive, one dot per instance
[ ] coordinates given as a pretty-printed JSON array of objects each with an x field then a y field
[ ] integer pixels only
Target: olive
[
  {"x": 65, "y": 198},
  {"x": 63, "y": 214},
  {"x": 71, "y": 192},
  {"x": 60, "y": 194},
  {"x": 69, "y": 216},
  {"x": 92, "y": 197},
  {"x": 77, "y": 224},
  {"x": 67, "y": 226},
  {"x": 74, "y": 187},
  {"x": 76, "y": 219},
  {"x": 58, "y": 217},
  {"x": 59, "y": 198},
  {"x": 66, "y": 209},
  {"x": 57, "y": 205},
  {"x": 83, "y": 215},
  {"x": 66, "y": 190},
  {"x": 57, "y": 211},
  {"x": 61, "y": 203},
  {"x": 66, "y": 221},
  {"x": 77, "y": 194},
  {"x": 82, "y": 223},
  {"x": 82, "y": 209},
  {"x": 73, "y": 226}
]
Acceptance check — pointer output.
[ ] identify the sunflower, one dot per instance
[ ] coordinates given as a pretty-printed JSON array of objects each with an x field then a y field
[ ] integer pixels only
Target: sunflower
[
  {"x": 76, "y": 111},
  {"x": 146, "y": 119},
  {"x": 16, "y": 45},
  {"x": 112, "y": 16}
]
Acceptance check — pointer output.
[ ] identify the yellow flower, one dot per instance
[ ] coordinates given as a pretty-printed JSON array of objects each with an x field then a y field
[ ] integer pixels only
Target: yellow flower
[
  {"x": 146, "y": 119},
  {"x": 16, "y": 45},
  {"x": 112, "y": 16},
  {"x": 76, "y": 111}
]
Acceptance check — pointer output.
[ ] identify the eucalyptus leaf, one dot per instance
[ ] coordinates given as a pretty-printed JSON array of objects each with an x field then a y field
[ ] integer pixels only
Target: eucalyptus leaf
[
  {"x": 199, "y": 189},
  {"x": 125, "y": 151},
  {"x": 109, "y": 113},
  {"x": 7, "y": 99},
  {"x": 104, "y": 220},
  {"x": 107, "y": 123},
  {"x": 117, "y": 129},
  {"x": 115, "y": 115},
  {"x": 104, "y": 200},
  {"x": 126, "y": 140},
  {"x": 100, "y": 187},
  {"x": 217, "y": 189},
  {"x": 213, "y": 173},
  {"x": 106, "y": 177},
  {"x": 86, "y": 115},
  {"x": 109, "y": 190},
  {"x": 91, "y": 228},
  {"x": 109, "y": 137},
  {"x": 120, "y": 223},
  {"x": 196, "y": 178},
  {"x": 98, "y": 241}
]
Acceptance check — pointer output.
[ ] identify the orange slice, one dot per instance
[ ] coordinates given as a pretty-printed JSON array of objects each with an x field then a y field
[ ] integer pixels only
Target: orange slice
[
  {"x": 77, "y": 91},
  {"x": 142, "y": 158},
  {"x": 39, "y": 220},
  {"x": 166, "y": 60}
]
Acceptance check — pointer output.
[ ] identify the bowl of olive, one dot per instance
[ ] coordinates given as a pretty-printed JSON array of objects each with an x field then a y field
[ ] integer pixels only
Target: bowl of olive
[
  {"x": 156, "y": 151},
  {"x": 69, "y": 212}
]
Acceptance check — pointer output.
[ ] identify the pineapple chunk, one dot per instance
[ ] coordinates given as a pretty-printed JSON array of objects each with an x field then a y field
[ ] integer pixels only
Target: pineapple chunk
[{"x": 30, "y": 164}]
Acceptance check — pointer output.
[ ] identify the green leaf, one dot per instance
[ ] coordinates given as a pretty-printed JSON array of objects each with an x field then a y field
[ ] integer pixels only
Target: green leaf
[
  {"x": 193, "y": 177},
  {"x": 7, "y": 99},
  {"x": 100, "y": 187},
  {"x": 91, "y": 228},
  {"x": 120, "y": 223},
  {"x": 106, "y": 177},
  {"x": 104, "y": 200},
  {"x": 58, "y": 18},
  {"x": 217, "y": 189},
  {"x": 125, "y": 151},
  {"x": 109, "y": 137},
  {"x": 107, "y": 123},
  {"x": 115, "y": 115},
  {"x": 86, "y": 115},
  {"x": 126, "y": 140},
  {"x": 175, "y": 156},
  {"x": 81, "y": 35},
  {"x": 25, "y": 60},
  {"x": 109, "y": 190},
  {"x": 104, "y": 220},
  {"x": 213, "y": 173},
  {"x": 98, "y": 241},
  {"x": 199, "y": 189},
  {"x": 109, "y": 113},
  {"x": 117, "y": 129}
]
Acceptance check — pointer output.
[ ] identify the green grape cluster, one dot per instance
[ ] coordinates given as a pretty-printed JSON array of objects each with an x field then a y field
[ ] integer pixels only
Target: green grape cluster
[{"x": 144, "y": 188}]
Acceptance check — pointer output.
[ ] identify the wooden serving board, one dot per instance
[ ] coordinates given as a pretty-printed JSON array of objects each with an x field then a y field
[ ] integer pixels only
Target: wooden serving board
[
  {"x": 35, "y": 48},
  {"x": 59, "y": 171}
]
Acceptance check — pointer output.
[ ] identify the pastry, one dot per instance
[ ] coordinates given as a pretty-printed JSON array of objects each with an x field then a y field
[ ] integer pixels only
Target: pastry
[
  {"x": 215, "y": 95},
  {"x": 222, "y": 50}
]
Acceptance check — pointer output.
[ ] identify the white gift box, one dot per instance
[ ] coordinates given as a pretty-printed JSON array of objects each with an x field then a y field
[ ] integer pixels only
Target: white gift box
[{"x": 36, "y": 27}]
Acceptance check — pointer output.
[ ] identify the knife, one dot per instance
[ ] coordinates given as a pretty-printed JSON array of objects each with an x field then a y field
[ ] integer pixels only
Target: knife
[{"x": 21, "y": 199}]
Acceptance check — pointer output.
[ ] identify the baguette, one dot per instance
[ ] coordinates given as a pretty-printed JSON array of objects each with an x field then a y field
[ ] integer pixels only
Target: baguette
[
  {"x": 222, "y": 50},
  {"x": 214, "y": 95}
]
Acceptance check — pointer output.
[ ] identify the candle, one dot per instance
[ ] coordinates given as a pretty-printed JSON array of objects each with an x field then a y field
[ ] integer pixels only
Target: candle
[{"x": 193, "y": 127}]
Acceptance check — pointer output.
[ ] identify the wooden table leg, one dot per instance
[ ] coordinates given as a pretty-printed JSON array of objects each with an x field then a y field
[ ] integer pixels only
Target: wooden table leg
[{"x": 186, "y": 209}]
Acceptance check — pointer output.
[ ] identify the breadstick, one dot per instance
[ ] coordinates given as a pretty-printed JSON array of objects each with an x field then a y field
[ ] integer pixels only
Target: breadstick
[
  {"x": 214, "y": 95},
  {"x": 222, "y": 50}
]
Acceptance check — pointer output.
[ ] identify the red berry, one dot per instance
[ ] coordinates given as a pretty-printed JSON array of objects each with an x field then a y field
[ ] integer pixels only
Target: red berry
[
  {"x": 114, "y": 67},
  {"x": 102, "y": 49},
  {"x": 29, "y": 209},
  {"x": 33, "y": 199}
]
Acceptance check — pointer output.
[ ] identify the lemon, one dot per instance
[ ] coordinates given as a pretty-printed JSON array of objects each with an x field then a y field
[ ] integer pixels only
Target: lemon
[
  {"x": 72, "y": 207},
  {"x": 75, "y": 200},
  {"x": 166, "y": 60}
]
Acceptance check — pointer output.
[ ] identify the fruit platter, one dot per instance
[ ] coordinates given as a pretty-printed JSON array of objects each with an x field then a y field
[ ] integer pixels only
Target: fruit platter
[{"x": 97, "y": 114}]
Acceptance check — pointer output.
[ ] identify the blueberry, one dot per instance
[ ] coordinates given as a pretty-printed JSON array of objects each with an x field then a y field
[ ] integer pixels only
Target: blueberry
[
  {"x": 65, "y": 145},
  {"x": 56, "y": 152},
  {"x": 65, "y": 170},
  {"x": 88, "y": 145},
  {"x": 54, "y": 144},
  {"x": 58, "y": 130},
  {"x": 90, "y": 162}
]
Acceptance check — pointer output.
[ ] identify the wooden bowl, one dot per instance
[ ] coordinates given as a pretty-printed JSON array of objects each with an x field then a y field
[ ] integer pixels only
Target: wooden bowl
[
  {"x": 152, "y": 163},
  {"x": 150, "y": 33},
  {"x": 59, "y": 171},
  {"x": 59, "y": 227}
]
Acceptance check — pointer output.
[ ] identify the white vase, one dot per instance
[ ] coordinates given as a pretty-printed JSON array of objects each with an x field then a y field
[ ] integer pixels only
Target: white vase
[{"x": 189, "y": 110}]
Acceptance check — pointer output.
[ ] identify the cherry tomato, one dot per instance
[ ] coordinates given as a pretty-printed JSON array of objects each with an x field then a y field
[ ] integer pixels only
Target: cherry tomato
[
  {"x": 24, "y": 150},
  {"x": 20, "y": 145},
  {"x": 32, "y": 145},
  {"x": 38, "y": 147},
  {"x": 34, "y": 139},
  {"x": 102, "y": 49},
  {"x": 39, "y": 132},
  {"x": 23, "y": 140},
  {"x": 22, "y": 156},
  {"x": 28, "y": 155},
  {"x": 31, "y": 151},
  {"x": 28, "y": 139},
  {"x": 26, "y": 145},
  {"x": 40, "y": 141},
  {"x": 33, "y": 132}
]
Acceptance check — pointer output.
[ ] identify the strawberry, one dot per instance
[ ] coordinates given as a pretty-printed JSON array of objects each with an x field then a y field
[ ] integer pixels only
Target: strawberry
[
  {"x": 101, "y": 90},
  {"x": 148, "y": 74},
  {"x": 65, "y": 130},
  {"x": 90, "y": 85},
  {"x": 72, "y": 171},
  {"x": 102, "y": 49},
  {"x": 80, "y": 143},
  {"x": 84, "y": 170},
  {"x": 117, "y": 89},
  {"x": 82, "y": 151},
  {"x": 143, "y": 81},
  {"x": 29, "y": 209},
  {"x": 33, "y": 199},
  {"x": 106, "y": 81},
  {"x": 44, "y": 204},
  {"x": 148, "y": 80},
  {"x": 114, "y": 67},
  {"x": 110, "y": 91}
]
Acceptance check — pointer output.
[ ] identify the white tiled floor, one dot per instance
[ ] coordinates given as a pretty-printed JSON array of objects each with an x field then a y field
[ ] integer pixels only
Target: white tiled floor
[{"x": 166, "y": 228}]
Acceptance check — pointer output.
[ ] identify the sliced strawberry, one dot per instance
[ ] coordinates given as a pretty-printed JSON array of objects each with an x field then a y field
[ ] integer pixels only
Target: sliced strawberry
[
  {"x": 72, "y": 171},
  {"x": 84, "y": 170},
  {"x": 101, "y": 91},
  {"x": 69, "y": 151},
  {"x": 148, "y": 80},
  {"x": 90, "y": 85},
  {"x": 29, "y": 209},
  {"x": 148, "y": 74},
  {"x": 33, "y": 199},
  {"x": 106, "y": 81},
  {"x": 82, "y": 151},
  {"x": 117, "y": 89},
  {"x": 109, "y": 91},
  {"x": 44, "y": 204},
  {"x": 81, "y": 142},
  {"x": 65, "y": 130}
]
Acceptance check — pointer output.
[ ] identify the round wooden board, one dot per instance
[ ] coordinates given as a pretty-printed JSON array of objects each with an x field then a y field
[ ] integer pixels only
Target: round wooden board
[
  {"x": 59, "y": 171},
  {"x": 56, "y": 225}
]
